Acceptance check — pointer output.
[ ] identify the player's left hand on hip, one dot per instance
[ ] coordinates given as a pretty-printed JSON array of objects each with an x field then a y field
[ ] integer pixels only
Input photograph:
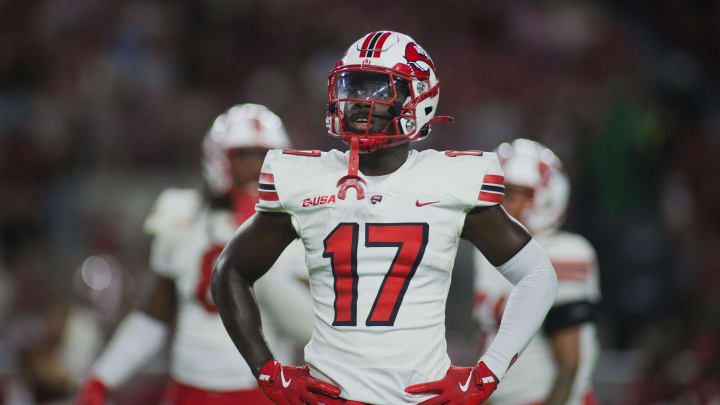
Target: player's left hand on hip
[
  {"x": 461, "y": 386},
  {"x": 289, "y": 385}
]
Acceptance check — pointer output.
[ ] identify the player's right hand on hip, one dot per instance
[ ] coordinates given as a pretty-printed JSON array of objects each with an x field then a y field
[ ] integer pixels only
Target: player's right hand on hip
[
  {"x": 94, "y": 392},
  {"x": 288, "y": 385}
]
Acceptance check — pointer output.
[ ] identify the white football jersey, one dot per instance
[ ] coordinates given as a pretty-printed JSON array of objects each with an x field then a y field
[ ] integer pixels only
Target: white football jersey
[
  {"x": 379, "y": 267},
  {"x": 187, "y": 238},
  {"x": 530, "y": 378}
]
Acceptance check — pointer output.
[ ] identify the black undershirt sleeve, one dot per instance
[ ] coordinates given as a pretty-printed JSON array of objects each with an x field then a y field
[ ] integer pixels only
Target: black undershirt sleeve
[{"x": 568, "y": 315}]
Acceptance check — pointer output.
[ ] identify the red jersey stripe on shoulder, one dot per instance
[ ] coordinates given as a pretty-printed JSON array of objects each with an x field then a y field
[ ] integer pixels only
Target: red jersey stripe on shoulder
[
  {"x": 267, "y": 178},
  {"x": 312, "y": 153},
  {"x": 494, "y": 179},
  {"x": 491, "y": 197},
  {"x": 471, "y": 152},
  {"x": 268, "y": 195}
]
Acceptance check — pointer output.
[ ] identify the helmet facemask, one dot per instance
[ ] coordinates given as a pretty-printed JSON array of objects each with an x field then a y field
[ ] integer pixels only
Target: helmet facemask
[{"x": 370, "y": 105}]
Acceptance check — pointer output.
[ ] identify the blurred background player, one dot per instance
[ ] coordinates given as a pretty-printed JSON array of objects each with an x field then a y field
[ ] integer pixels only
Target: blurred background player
[
  {"x": 189, "y": 229},
  {"x": 557, "y": 365}
]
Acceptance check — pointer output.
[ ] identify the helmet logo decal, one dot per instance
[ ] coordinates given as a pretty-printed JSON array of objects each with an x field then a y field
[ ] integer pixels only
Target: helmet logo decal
[
  {"x": 414, "y": 54},
  {"x": 373, "y": 44}
]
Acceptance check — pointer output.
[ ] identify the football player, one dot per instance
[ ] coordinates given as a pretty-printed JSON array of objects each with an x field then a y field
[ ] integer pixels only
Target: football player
[
  {"x": 380, "y": 225},
  {"x": 189, "y": 230},
  {"x": 557, "y": 366}
]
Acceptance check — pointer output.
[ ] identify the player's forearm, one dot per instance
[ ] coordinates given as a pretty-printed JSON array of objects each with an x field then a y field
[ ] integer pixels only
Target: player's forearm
[
  {"x": 566, "y": 347},
  {"x": 234, "y": 298},
  {"x": 137, "y": 339},
  {"x": 249, "y": 254},
  {"x": 531, "y": 298},
  {"x": 562, "y": 386}
]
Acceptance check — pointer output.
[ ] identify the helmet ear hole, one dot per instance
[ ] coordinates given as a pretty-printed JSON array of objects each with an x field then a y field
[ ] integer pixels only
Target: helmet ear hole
[
  {"x": 332, "y": 108},
  {"x": 425, "y": 130}
]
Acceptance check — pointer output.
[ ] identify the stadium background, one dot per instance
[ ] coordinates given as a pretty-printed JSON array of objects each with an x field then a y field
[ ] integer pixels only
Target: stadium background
[{"x": 103, "y": 104}]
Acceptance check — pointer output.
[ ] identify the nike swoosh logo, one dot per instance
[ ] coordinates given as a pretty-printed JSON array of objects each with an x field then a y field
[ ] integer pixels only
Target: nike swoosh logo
[
  {"x": 464, "y": 388},
  {"x": 282, "y": 377},
  {"x": 419, "y": 204}
]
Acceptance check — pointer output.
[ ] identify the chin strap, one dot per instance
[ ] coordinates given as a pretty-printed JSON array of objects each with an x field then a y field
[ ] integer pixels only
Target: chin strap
[
  {"x": 352, "y": 180},
  {"x": 441, "y": 118}
]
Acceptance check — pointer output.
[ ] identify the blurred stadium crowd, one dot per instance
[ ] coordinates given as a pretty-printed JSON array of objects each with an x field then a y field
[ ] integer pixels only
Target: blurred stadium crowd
[{"x": 104, "y": 104}]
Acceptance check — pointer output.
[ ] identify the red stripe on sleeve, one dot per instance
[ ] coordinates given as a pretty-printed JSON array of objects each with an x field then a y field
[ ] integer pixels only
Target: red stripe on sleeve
[
  {"x": 491, "y": 197},
  {"x": 267, "y": 178},
  {"x": 380, "y": 44},
  {"x": 572, "y": 270},
  {"x": 494, "y": 179},
  {"x": 268, "y": 195},
  {"x": 365, "y": 44}
]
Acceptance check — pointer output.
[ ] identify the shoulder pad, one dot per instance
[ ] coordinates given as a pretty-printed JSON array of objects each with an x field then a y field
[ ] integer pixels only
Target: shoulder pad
[
  {"x": 173, "y": 208},
  {"x": 562, "y": 245},
  {"x": 284, "y": 170},
  {"x": 473, "y": 177},
  {"x": 572, "y": 256}
]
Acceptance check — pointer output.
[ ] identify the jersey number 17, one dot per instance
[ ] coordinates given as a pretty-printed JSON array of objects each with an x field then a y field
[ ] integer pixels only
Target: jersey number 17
[{"x": 341, "y": 245}]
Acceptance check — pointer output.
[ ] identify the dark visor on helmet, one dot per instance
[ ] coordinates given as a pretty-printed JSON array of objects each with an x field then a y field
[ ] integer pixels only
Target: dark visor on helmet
[{"x": 371, "y": 86}]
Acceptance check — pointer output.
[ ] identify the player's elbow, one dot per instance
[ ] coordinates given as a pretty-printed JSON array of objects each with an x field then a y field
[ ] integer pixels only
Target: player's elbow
[
  {"x": 552, "y": 281},
  {"x": 543, "y": 280},
  {"x": 543, "y": 277}
]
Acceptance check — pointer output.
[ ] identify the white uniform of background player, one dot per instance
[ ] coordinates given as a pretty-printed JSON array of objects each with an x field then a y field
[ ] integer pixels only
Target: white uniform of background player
[
  {"x": 187, "y": 238},
  {"x": 188, "y": 235},
  {"x": 532, "y": 169}
]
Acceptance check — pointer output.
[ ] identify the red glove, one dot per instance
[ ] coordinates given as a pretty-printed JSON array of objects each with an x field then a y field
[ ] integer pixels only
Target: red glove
[
  {"x": 94, "y": 392},
  {"x": 287, "y": 385},
  {"x": 461, "y": 386}
]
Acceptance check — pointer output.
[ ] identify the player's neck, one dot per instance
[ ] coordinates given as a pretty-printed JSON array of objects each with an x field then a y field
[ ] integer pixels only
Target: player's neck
[{"x": 384, "y": 161}]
